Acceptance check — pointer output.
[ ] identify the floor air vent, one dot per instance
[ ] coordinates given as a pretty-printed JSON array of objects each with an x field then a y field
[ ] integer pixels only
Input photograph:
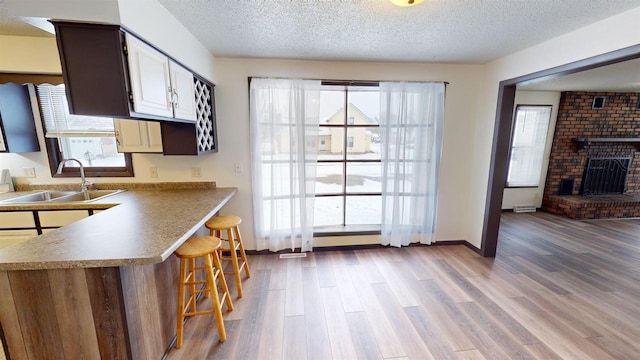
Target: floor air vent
[
  {"x": 524, "y": 208},
  {"x": 293, "y": 255}
]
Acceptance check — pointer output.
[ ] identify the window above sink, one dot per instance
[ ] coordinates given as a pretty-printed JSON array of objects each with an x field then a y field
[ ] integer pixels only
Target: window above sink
[{"x": 88, "y": 138}]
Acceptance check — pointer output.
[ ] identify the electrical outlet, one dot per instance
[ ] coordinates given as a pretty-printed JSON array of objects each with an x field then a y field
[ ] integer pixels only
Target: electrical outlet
[
  {"x": 196, "y": 172},
  {"x": 237, "y": 167},
  {"x": 153, "y": 171},
  {"x": 29, "y": 172}
]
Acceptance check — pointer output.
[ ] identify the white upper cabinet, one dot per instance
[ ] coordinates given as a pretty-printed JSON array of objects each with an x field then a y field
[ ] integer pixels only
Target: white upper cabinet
[
  {"x": 150, "y": 82},
  {"x": 184, "y": 105},
  {"x": 135, "y": 136},
  {"x": 159, "y": 86}
]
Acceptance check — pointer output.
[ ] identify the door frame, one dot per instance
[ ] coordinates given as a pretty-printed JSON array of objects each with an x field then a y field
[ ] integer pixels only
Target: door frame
[{"x": 502, "y": 134}]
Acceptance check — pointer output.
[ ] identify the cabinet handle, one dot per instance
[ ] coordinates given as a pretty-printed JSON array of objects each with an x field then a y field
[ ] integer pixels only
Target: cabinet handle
[
  {"x": 175, "y": 99},
  {"x": 117, "y": 138},
  {"x": 170, "y": 91}
]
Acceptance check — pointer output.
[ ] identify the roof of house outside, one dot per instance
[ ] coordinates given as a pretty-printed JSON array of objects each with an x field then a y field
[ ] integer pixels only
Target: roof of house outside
[{"x": 359, "y": 117}]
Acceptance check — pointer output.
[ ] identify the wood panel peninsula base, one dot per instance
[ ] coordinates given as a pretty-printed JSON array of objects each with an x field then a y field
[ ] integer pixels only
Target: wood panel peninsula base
[
  {"x": 99, "y": 313},
  {"x": 66, "y": 305}
]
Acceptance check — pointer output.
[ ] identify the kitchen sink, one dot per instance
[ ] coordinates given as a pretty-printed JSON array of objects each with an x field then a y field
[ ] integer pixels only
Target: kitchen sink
[
  {"x": 61, "y": 196},
  {"x": 39, "y": 197},
  {"x": 87, "y": 195}
]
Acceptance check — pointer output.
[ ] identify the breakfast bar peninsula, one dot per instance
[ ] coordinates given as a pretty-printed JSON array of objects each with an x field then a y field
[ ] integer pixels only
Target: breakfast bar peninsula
[{"x": 105, "y": 286}]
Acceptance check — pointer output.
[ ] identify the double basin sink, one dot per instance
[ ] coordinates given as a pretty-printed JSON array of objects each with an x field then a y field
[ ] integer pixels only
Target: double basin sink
[{"x": 54, "y": 196}]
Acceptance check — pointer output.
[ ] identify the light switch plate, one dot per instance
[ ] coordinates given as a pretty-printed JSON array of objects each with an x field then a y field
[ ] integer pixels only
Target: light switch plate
[{"x": 29, "y": 172}]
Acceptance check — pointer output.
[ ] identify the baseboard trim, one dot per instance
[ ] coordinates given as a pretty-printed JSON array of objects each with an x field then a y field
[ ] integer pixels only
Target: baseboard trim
[
  {"x": 459, "y": 242},
  {"x": 364, "y": 247}
]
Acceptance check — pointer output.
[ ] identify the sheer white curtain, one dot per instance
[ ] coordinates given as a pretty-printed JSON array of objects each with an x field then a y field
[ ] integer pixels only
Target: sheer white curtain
[
  {"x": 285, "y": 120},
  {"x": 412, "y": 116}
]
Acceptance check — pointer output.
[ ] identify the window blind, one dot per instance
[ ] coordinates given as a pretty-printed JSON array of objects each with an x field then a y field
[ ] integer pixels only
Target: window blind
[{"x": 59, "y": 123}]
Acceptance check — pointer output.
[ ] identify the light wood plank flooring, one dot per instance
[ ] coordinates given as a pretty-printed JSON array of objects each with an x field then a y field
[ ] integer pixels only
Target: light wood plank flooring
[{"x": 558, "y": 289}]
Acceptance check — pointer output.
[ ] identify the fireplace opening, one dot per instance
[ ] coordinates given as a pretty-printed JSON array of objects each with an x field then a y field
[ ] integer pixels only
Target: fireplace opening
[{"x": 605, "y": 176}]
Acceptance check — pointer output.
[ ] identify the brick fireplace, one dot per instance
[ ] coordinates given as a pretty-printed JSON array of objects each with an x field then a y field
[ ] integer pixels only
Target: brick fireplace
[{"x": 585, "y": 135}]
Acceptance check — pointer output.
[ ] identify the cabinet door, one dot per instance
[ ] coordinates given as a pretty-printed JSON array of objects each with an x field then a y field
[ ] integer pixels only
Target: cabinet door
[
  {"x": 183, "y": 92},
  {"x": 154, "y": 136},
  {"x": 58, "y": 218},
  {"x": 150, "y": 83},
  {"x": 10, "y": 237},
  {"x": 135, "y": 136},
  {"x": 16, "y": 219}
]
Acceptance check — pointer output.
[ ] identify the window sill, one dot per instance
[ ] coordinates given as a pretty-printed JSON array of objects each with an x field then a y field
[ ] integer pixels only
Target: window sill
[{"x": 348, "y": 230}]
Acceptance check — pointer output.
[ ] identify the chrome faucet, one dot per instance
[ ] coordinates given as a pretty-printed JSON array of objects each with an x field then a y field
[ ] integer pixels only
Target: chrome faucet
[{"x": 85, "y": 183}]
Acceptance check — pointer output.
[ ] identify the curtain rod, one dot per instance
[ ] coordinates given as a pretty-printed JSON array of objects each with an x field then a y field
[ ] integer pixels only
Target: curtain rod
[
  {"x": 349, "y": 82},
  {"x": 356, "y": 82}
]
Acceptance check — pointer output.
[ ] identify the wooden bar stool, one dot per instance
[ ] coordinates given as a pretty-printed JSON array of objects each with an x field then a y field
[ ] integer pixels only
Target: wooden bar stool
[
  {"x": 230, "y": 224},
  {"x": 205, "y": 247}
]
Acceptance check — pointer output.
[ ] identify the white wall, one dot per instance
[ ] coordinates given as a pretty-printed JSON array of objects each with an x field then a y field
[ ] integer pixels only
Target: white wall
[
  {"x": 611, "y": 34},
  {"x": 533, "y": 195}
]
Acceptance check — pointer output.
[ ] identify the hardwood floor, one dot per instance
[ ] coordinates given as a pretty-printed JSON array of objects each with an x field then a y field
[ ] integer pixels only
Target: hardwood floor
[{"x": 558, "y": 289}]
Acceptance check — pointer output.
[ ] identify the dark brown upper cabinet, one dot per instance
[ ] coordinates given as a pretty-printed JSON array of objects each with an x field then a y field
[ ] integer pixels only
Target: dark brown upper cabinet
[
  {"x": 17, "y": 124},
  {"x": 108, "y": 71}
]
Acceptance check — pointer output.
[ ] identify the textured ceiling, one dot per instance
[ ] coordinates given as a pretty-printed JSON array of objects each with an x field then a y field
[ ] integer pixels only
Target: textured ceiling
[
  {"x": 452, "y": 31},
  {"x": 14, "y": 26}
]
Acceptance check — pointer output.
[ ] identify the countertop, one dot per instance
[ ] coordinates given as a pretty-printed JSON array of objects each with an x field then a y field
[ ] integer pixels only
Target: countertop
[{"x": 140, "y": 226}]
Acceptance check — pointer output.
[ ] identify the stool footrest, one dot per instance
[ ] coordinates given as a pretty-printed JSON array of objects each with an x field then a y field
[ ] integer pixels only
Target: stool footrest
[
  {"x": 199, "y": 282},
  {"x": 240, "y": 268},
  {"x": 202, "y": 312},
  {"x": 237, "y": 246}
]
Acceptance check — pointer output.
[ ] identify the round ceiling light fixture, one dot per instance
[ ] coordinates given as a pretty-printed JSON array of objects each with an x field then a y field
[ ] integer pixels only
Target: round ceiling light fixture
[{"x": 406, "y": 3}]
